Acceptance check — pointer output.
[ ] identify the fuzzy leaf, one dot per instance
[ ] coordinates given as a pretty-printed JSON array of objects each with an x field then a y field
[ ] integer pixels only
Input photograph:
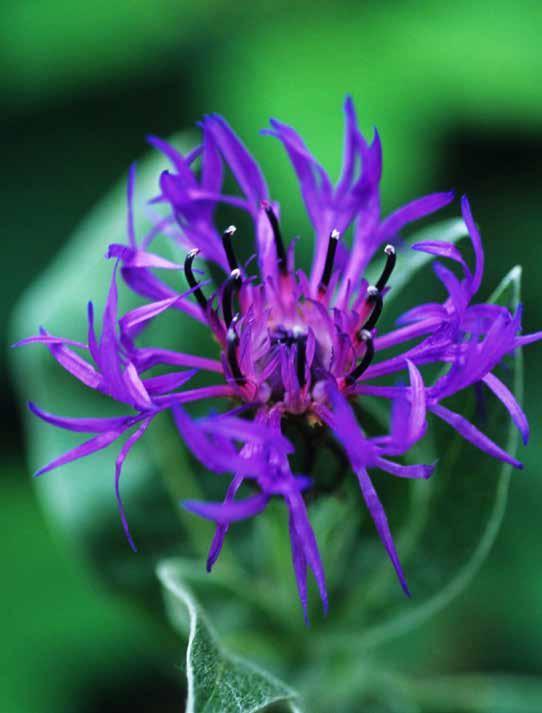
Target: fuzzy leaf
[{"x": 217, "y": 681}]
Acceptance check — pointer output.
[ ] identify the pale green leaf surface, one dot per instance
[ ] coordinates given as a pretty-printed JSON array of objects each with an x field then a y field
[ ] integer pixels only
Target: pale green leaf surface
[{"x": 217, "y": 681}]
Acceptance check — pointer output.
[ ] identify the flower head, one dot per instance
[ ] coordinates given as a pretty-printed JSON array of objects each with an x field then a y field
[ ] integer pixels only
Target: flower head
[{"x": 292, "y": 346}]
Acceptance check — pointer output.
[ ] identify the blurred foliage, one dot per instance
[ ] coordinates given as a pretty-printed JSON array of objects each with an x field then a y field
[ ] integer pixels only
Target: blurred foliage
[{"x": 454, "y": 91}]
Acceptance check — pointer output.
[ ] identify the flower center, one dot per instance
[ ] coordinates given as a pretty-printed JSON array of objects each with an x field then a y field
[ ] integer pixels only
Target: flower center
[{"x": 281, "y": 338}]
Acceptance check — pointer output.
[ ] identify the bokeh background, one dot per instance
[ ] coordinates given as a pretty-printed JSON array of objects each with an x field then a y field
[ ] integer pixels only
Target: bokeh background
[{"x": 454, "y": 89}]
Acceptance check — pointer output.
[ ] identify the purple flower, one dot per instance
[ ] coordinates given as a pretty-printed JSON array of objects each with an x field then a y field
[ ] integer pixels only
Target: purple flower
[{"x": 292, "y": 346}]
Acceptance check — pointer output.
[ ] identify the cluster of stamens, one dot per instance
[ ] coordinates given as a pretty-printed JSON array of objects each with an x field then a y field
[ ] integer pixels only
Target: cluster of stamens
[{"x": 371, "y": 305}]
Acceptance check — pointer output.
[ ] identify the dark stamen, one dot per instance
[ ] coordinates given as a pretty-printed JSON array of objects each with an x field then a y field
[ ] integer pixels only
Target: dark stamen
[
  {"x": 279, "y": 244},
  {"x": 330, "y": 259},
  {"x": 192, "y": 280},
  {"x": 374, "y": 297},
  {"x": 227, "y": 235},
  {"x": 391, "y": 258},
  {"x": 231, "y": 287},
  {"x": 301, "y": 359},
  {"x": 366, "y": 360},
  {"x": 232, "y": 340}
]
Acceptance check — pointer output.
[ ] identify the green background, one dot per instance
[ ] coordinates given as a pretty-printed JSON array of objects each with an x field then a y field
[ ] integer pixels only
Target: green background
[{"x": 454, "y": 89}]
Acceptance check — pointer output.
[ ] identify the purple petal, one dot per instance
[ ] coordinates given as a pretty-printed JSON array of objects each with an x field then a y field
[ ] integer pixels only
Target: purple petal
[
  {"x": 165, "y": 383},
  {"x": 97, "y": 443},
  {"x": 381, "y": 522},
  {"x": 526, "y": 339},
  {"x": 299, "y": 563},
  {"x": 307, "y": 541},
  {"x": 503, "y": 393},
  {"x": 418, "y": 419},
  {"x": 144, "y": 283},
  {"x": 442, "y": 249},
  {"x": 347, "y": 431},
  {"x": 405, "y": 334},
  {"x": 228, "y": 512},
  {"x": 141, "y": 315},
  {"x": 110, "y": 364},
  {"x": 405, "y": 471},
  {"x": 172, "y": 154},
  {"x": 205, "y": 392},
  {"x": 221, "y": 530},
  {"x": 92, "y": 341},
  {"x": 473, "y": 435},
  {"x": 211, "y": 164},
  {"x": 414, "y": 210},
  {"x": 76, "y": 366},
  {"x": 135, "y": 388},
  {"x": 218, "y": 455},
  {"x": 82, "y": 425},
  {"x": 350, "y": 145},
  {"x": 409, "y": 414},
  {"x": 148, "y": 357},
  {"x": 267, "y": 252},
  {"x": 456, "y": 289},
  {"x": 179, "y": 162},
  {"x": 476, "y": 243},
  {"x": 430, "y": 311},
  {"x": 140, "y": 258},
  {"x": 308, "y": 172},
  {"x": 48, "y": 339},
  {"x": 245, "y": 169},
  {"x": 244, "y": 430},
  {"x": 118, "y": 471}
]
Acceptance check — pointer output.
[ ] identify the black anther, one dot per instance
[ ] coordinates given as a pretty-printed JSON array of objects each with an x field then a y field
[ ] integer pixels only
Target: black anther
[
  {"x": 374, "y": 298},
  {"x": 232, "y": 341},
  {"x": 330, "y": 260},
  {"x": 279, "y": 243},
  {"x": 227, "y": 235},
  {"x": 231, "y": 287},
  {"x": 192, "y": 280},
  {"x": 391, "y": 258},
  {"x": 365, "y": 361}
]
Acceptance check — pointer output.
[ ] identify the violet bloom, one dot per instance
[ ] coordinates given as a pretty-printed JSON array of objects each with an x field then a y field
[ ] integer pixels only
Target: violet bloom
[{"x": 291, "y": 346}]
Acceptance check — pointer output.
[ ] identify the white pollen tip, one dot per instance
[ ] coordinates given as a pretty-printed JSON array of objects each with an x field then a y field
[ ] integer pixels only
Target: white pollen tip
[
  {"x": 193, "y": 252},
  {"x": 372, "y": 290},
  {"x": 335, "y": 235},
  {"x": 231, "y": 230},
  {"x": 365, "y": 335},
  {"x": 236, "y": 274},
  {"x": 389, "y": 250}
]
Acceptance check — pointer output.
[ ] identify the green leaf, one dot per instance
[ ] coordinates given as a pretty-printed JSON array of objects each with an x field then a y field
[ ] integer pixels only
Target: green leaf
[
  {"x": 217, "y": 681},
  {"x": 449, "y": 526},
  {"x": 475, "y": 693},
  {"x": 371, "y": 689}
]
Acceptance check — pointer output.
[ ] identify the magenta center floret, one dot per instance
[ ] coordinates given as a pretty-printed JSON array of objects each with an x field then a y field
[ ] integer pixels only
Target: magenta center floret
[{"x": 283, "y": 339}]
